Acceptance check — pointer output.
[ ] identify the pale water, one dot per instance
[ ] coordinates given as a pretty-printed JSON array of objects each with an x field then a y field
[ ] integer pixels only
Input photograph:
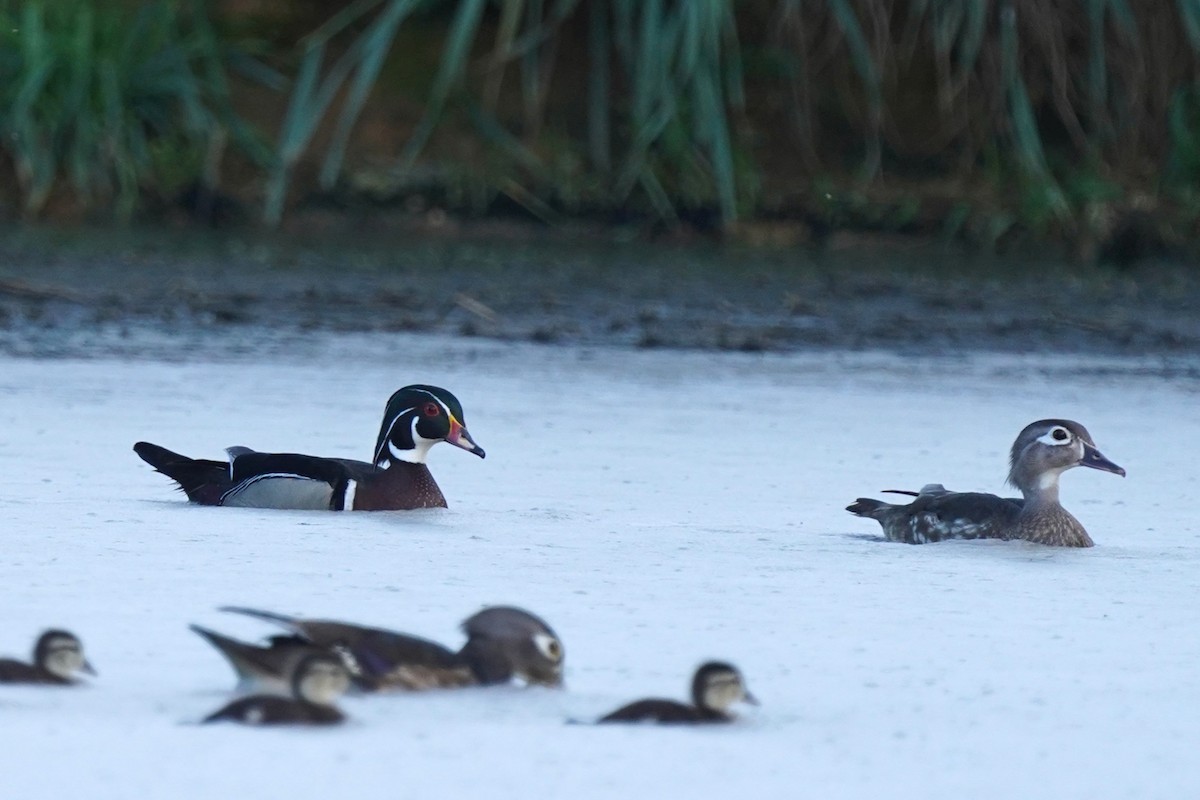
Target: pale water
[{"x": 657, "y": 509}]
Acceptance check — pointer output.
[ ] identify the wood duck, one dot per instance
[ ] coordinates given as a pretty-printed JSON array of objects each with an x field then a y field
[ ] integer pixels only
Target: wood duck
[
  {"x": 317, "y": 682},
  {"x": 715, "y": 687},
  {"x": 502, "y": 643},
  {"x": 1042, "y": 452},
  {"x": 57, "y": 656},
  {"x": 416, "y": 418},
  {"x": 270, "y": 669}
]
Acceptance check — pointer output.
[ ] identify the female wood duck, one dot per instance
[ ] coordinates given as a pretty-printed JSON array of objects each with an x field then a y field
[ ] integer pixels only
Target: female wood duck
[
  {"x": 1042, "y": 452},
  {"x": 502, "y": 643},
  {"x": 715, "y": 687},
  {"x": 270, "y": 669},
  {"x": 416, "y": 418},
  {"x": 57, "y": 656},
  {"x": 318, "y": 681}
]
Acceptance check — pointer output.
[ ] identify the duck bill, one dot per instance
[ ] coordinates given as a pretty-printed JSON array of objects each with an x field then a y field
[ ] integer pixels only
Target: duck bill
[
  {"x": 88, "y": 669},
  {"x": 751, "y": 699},
  {"x": 1095, "y": 459},
  {"x": 459, "y": 437}
]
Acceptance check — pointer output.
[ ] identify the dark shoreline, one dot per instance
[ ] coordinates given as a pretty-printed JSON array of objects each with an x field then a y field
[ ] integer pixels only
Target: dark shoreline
[{"x": 901, "y": 294}]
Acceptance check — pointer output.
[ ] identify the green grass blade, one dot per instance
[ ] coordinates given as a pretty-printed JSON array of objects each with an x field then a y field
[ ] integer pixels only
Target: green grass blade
[
  {"x": 462, "y": 34},
  {"x": 377, "y": 42}
]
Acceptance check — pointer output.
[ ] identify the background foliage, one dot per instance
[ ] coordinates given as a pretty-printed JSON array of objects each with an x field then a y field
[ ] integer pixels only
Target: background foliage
[{"x": 1064, "y": 116}]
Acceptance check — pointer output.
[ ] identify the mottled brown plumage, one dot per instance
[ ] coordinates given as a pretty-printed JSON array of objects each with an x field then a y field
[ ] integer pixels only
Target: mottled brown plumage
[
  {"x": 502, "y": 643},
  {"x": 1041, "y": 453}
]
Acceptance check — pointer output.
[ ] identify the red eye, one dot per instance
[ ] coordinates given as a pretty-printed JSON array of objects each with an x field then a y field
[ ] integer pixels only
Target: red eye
[{"x": 431, "y": 409}]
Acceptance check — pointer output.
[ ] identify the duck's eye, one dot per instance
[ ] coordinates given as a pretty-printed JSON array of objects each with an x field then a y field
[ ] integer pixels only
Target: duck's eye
[
  {"x": 431, "y": 409},
  {"x": 549, "y": 646},
  {"x": 1060, "y": 434}
]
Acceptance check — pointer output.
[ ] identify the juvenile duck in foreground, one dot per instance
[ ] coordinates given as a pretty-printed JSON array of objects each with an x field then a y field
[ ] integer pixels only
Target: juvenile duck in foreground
[
  {"x": 1042, "y": 452},
  {"x": 270, "y": 669},
  {"x": 57, "y": 657},
  {"x": 317, "y": 683},
  {"x": 502, "y": 643},
  {"x": 715, "y": 687},
  {"x": 416, "y": 418}
]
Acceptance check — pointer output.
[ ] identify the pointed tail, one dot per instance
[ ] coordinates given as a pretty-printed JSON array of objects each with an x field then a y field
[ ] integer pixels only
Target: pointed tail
[
  {"x": 203, "y": 481},
  {"x": 867, "y": 507}
]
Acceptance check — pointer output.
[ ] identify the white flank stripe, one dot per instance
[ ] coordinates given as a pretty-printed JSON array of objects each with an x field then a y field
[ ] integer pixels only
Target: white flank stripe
[{"x": 348, "y": 500}]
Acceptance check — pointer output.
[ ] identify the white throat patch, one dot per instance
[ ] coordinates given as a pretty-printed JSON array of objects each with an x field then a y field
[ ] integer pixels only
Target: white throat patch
[
  {"x": 1049, "y": 480},
  {"x": 420, "y": 449}
]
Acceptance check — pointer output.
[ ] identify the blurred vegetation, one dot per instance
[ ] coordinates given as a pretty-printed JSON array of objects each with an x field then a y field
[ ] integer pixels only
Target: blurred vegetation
[
  {"x": 112, "y": 100},
  {"x": 1071, "y": 118}
]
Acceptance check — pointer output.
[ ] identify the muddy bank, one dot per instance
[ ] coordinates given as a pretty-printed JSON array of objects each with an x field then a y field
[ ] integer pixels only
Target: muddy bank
[{"x": 77, "y": 293}]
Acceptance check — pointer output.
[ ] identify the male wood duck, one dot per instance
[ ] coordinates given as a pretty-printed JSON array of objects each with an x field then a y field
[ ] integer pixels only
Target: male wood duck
[
  {"x": 502, "y": 643},
  {"x": 416, "y": 418},
  {"x": 716, "y": 686},
  {"x": 270, "y": 669},
  {"x": 1042, "y": 452},
  {"x": 57, "y": 657},
  {"x": 317, "y": 682}
]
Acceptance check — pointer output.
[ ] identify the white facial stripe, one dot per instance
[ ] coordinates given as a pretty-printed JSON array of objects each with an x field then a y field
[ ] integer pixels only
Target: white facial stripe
[
  {"x": 422, "y": 444},
  {"x": 1048, "y": 437},
  {"x": 348, "y": 500},
  {"x": 436, "y": 399},
  {"x": 387, "y": 436}
]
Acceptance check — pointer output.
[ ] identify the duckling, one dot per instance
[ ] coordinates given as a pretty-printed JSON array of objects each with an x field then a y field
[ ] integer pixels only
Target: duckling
[
  {"x": 57, "y": 657},
  {"x": 715, "y": 687},
  {"x": 502, "y": 643},
  {"x": 317, "y": 682},
  {"x": 1041, "y": 453}
]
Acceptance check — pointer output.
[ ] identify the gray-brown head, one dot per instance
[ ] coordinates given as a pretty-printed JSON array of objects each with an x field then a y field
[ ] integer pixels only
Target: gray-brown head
[
  {"x": 1047, "y": 448},
  {"x": 503, "y": 642},
  {"x": 717, "y": 685},
  {"x": 320, "y": 680},
  {"x": 61, "y": 654}
]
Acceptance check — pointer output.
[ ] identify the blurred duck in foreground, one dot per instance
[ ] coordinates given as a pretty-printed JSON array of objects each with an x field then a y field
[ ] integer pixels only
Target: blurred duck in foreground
[
  {"x": 503, "y": 644},
  {"x": 716, "y": 687},
  {"x": 317, "y": 683},
  {"x": 57, "y": 658}
]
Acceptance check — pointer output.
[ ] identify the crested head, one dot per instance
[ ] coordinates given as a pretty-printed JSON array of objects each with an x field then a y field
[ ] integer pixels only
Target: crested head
[
  {"x": 1046, "y": 448},
  {"x": 60, "y": 653},
  {"x": 717, "y": 685},
  {"x": 515, "y": 642},
  {"x": 416, "y": 418},
  {"x": 320, "y": 679}
]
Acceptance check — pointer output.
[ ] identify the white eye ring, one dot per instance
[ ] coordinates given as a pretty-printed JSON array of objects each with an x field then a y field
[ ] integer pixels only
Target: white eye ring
[
  {"x": 548, "y": 646},
  {"x": 1056, "y": 436}
]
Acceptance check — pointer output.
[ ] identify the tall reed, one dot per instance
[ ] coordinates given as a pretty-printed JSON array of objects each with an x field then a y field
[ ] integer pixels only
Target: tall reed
[{"x": 107, "y": 97}]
